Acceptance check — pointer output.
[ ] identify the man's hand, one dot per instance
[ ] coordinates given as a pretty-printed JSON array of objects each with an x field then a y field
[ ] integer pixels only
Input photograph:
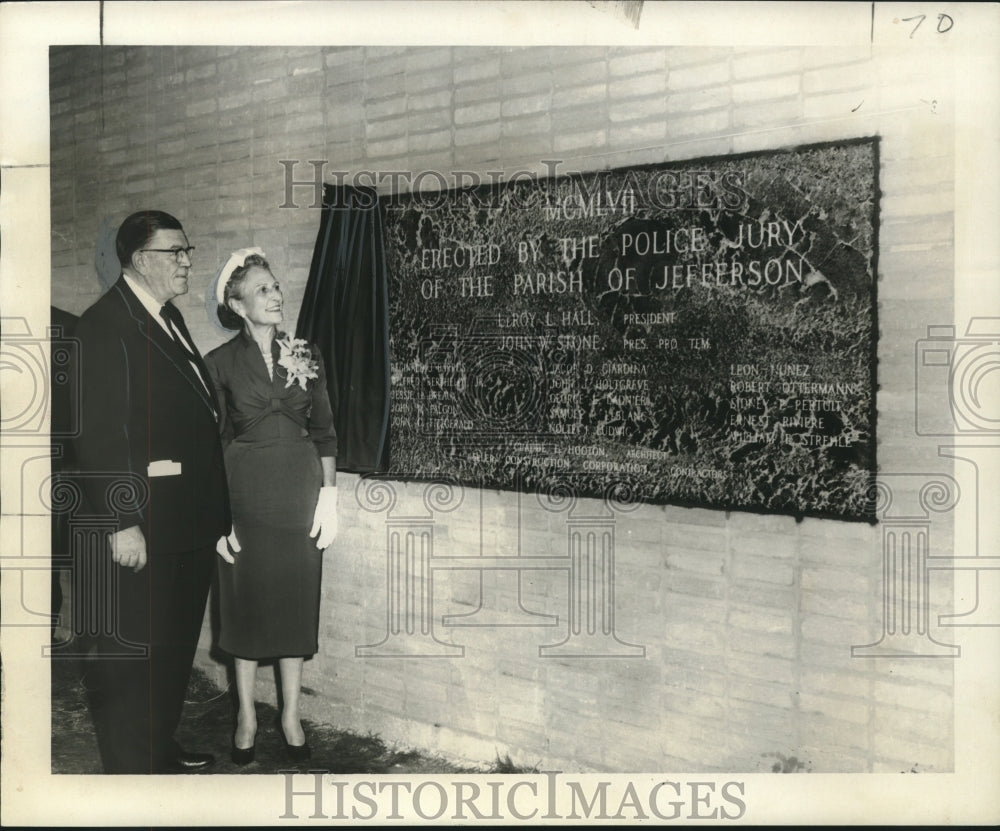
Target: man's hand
[{"x": 128, "y": 548}]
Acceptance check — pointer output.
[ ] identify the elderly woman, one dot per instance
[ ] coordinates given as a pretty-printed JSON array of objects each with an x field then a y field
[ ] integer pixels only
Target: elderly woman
[{"x": 280, "y": 448}]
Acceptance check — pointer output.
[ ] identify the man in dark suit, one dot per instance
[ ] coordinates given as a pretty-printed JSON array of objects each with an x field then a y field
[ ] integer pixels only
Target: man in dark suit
[{"x": 149, "y": 428}]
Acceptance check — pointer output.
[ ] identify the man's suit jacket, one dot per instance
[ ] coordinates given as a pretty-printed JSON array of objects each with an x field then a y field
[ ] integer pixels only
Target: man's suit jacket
[{"x": 145, "y": 412}]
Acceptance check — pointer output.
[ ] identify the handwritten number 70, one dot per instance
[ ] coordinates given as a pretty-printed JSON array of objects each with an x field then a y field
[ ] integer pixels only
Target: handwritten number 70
[{"x": 945, "y": 22}]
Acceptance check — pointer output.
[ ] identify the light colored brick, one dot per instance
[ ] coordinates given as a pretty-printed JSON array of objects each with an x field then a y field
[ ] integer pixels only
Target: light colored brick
[
  {"x": 579, "y": 95},
  {"x": 386, "y": 128},
  {"x": 753, "y": 141},
  {"x": 526, "y": 105},
  {"x": 476, "y": 70},
  {"x": 699, "y": 75},
  {"x": 835, "y": 606},
  {"x": 579, "y": 141},
  {"x": 424, "y": 142},
  {"x": 489, "y": 111},
  {"x": 635, "y": 63},
  {"x": 831, "y": 733},
  {"x": 382, "y": 66},
  {"x": 918, "y": 204},
  {"x": 778, "y": 670},
  {"x": 578, "y": 74},
  {"x": 418, "y": 60},
  {"x": 844, "y": 553},
  {"x": 845, "y": 709},
  {"x": 472, "y": 93},
  {"x": 637, "y": 86},
  {"x": 565, "y": 57},
  {"x": 748, "y": 567},
  {"x": 521, "y": 84},
  {"x": 392, "y": 107},
  {"x": 582, "y": 120},
  {"x": 418, "y": 122},
  {"x": 935, "y": 228},
  {"x": 831, "y": 580},
  {"x": 517, "y": 733},
  {"x": 762, "y": 544},
  {"x": 762, "y": 721},
  {"x": 831, "y": 761},
  {"x": 753, "y": 643},
  {"x": 701, "y": 562},
  {"x": 705, "y": 123},
  {"x": 766, "y": 89},
  {"x": 387, "y": 149},
  {"x": 697, "y": 637},
  {"x": 482, "y": 134},
  {"x": 623, "y": 718},
  {"x": 692, "y": 584},
  {"x": 762, "y": 621},
  {"x": 642, "y": 111},
  {"x": 754, "y": 115},
  {"x": 518, "y": 60},
  {"x": 835, "y": 631}
]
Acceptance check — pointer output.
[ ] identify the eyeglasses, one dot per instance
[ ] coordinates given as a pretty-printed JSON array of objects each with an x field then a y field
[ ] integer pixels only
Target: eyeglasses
[{"x": 175, "y": 251}]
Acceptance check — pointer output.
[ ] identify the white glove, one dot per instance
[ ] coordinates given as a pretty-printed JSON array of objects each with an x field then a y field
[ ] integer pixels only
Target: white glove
[
  {"x": 223, "y": 545},
  {"x": 325, "y": 517}
]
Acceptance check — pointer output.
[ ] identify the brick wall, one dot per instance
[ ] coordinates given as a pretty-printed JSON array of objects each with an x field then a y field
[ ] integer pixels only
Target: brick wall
[{"x": 736, "y": 629}]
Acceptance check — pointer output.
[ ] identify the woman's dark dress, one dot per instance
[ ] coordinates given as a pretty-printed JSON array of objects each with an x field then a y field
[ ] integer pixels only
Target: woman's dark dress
[{"x": 274, "y": 436}]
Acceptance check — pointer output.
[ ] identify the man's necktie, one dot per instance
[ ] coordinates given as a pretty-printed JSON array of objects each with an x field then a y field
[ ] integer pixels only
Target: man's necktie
[{"x": 178, "y": 331}]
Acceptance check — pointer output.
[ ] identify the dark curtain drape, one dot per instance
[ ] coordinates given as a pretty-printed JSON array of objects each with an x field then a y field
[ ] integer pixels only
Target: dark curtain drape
[{"x": 345, "y": 312}]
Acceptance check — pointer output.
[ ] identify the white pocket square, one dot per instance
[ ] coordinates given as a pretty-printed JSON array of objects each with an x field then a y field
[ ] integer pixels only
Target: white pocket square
[{"x": 163, "y": 467}]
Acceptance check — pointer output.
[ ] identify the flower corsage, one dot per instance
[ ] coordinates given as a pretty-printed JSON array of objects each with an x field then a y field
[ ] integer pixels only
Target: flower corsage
[{"x": 297, "y": 360}]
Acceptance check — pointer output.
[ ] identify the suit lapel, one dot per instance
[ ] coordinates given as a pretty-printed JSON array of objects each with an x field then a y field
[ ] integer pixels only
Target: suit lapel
[
  {"x": 195, "y": 356},
  {"x": 165, "y": 344}
]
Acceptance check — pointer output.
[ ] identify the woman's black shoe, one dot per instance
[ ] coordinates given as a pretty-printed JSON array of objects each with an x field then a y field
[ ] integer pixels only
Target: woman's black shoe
[
  {"x": 243, "y": 755},
  {"x": 296, "y": 752}
]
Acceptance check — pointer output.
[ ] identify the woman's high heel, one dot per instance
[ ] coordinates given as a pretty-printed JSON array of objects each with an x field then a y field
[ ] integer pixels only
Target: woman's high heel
[
  {"x": 296, "y": 752},
  {"x": 243, "y": 755}
]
